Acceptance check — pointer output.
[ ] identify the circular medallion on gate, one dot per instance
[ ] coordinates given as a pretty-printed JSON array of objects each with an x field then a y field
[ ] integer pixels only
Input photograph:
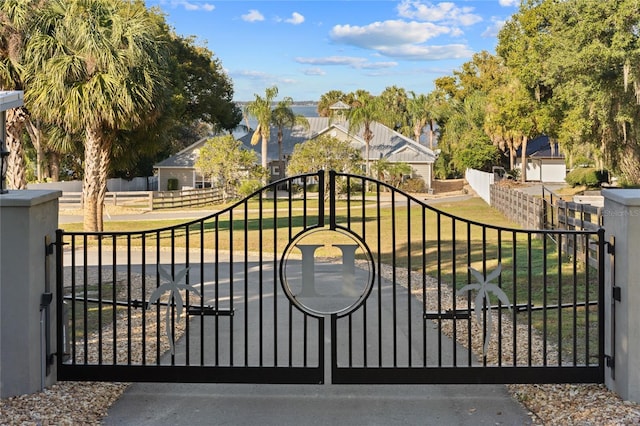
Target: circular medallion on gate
[{"x": 325, "y": 271}]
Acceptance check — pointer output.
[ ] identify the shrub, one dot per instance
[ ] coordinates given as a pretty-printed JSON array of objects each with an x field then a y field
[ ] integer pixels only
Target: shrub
[
  {"x": 587, "y": 176},
  {"x": 248, "y": 187},
  {"x": 172, "y": 184},
  {"x": 415, "y": 185}
]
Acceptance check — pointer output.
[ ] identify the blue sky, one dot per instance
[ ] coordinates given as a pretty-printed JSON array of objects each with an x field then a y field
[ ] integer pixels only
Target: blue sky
[{"x": 307, "y": 48}]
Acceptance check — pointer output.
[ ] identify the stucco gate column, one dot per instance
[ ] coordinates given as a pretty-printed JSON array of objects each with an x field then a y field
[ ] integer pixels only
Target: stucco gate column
[
  {"x": 27, "y": 218},
  {"x": 622, "y": 338}
]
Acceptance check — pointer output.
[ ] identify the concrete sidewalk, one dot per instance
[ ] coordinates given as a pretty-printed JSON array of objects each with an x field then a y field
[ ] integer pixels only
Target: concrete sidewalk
[{"x": 217, "y": 404}]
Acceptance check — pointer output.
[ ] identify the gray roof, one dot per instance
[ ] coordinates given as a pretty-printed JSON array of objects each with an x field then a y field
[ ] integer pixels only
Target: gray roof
[
  {"x": 185, "y": 158},
  {"x": 11, "y": 99},
  {"x": 339, "y": 106},
  {"x": 386, "y": 143}
]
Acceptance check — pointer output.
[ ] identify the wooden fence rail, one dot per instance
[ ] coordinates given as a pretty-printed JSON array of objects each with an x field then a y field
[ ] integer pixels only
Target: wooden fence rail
[
  {"x": 153, "y": 200},
  {"x": 551, "y": 212},
  {"x": 187, "y": 198},
  {"x": 524, "y": 209}
]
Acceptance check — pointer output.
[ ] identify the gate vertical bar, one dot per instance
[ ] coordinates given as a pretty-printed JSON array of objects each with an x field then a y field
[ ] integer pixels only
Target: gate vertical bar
[
  {"x": 61, "y": 330},
  {"x": 601, "y": 308},
  {"x": 321, "y": 195}
]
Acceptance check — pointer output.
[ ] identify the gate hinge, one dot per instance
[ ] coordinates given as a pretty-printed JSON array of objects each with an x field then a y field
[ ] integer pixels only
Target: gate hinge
[
  {"x": 616, "y": 293},
  {"x": 611, "y": 248},
  {"x": 609, "y": 361}
]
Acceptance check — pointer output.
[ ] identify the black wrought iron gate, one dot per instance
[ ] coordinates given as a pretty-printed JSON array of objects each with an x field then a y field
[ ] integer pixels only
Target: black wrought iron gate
[{"x": 392, "y": 289}]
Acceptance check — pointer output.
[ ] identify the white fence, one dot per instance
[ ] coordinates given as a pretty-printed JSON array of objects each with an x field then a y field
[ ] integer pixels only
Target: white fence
[
  {"x": 113, "y": 185},
  {"x": 480, "y": 182}
]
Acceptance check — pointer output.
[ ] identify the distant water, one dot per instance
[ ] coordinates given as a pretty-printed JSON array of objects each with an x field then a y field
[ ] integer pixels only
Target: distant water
[{"x": 305, "y": 110}]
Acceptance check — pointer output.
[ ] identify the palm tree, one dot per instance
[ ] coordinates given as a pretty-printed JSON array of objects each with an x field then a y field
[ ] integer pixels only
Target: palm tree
[
  {"x": 417, "y": 108},
  {"x": 260, "y": 108},
  {"x": 14, "y": 20},
  {"x": 282, "y": 116},
  {"x": 95, "y": 66},
  {"x": 365, "y": 111},
  {"x": 328, "y": 99}
]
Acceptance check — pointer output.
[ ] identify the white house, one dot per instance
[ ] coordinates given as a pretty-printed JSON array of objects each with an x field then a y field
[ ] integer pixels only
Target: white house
[
  {"x": 545, "y": 162},
  {"x": 386, "y": 143}
]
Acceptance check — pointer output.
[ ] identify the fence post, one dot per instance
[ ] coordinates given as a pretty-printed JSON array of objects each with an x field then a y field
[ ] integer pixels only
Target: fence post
[
  {"x": 621, "y": 218},
  {"x": 28, "y": 221}
]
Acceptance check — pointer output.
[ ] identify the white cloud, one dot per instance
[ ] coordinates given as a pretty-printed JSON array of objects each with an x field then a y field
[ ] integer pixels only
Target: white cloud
[
  {"x": 262, "y": 77},
  {"x": 332, "y": 60},
  {"x": 253, "y": 16},
  {"x": 295, "y": 19},
  {"x": 400, "y": 39},
  {"x": 378, "y": 65},
  {"x": 253, "y": 75},
  {"x": 494, "y": 28},
  {"x": 207, "y": 7},
  {"x": 508, "y": 3},
  {"x": 444, "y": 12},
  {"x": 350, "y": 61},
  {"x": 314, "y": 71},
  {"x": 387, "y": 33},
  {"x": 428, "y": 53}
]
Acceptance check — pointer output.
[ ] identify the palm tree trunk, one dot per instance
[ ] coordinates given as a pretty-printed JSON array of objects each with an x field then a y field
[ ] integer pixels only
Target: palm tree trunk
[
  {"x": 16, "y": 177},
  {"x": 264, "y": 151},
  {"x": 280, "y": 162},
  {"x": 36, "y": 139},
  {"x": 105, "y": 160},
  {"x": 91, "y": 180},
  {"x": 431, "y": 135},
  {"x": 54, "y": 166}
]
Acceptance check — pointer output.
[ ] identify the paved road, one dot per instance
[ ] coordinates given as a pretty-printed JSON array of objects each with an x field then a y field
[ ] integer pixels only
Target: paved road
[{"x": 211, "y": 404}]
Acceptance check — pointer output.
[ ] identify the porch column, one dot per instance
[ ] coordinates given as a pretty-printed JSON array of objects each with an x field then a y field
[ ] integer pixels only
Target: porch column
[
  {"x": 27, "y": 278},
  {"x": 621, "y": 217}
]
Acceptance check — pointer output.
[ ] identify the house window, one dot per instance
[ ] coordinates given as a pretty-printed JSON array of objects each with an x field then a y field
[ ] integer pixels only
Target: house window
[{"x": 202, "y": 182}]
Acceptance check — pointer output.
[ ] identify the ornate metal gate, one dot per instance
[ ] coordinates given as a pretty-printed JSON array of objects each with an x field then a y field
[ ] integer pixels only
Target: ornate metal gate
[{"x": 411, "y": 294}]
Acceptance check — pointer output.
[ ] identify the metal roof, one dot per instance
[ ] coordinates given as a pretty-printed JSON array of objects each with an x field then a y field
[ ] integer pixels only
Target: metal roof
[
  {"x": 11, "y": 99},
  {"x": 386, "y": 143}
]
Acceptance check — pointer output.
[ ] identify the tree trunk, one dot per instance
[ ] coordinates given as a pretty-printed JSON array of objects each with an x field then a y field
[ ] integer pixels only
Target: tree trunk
[
  {"x": 54, "y": 166},
  {"x": 36, "y": 139},
  {"x": 523, "y": 175},
  {"x": 16, "y": 178},
  {"x": 512, "y": 157},
  {"x": 280, "y": 160},
  {"x": 264, "y": 152},
  {"x": 417, "y": 132},
  {"x": 105, "y": 160},
  {"x": 91, "y": 180},
  {"x": 431, "y": 135}
]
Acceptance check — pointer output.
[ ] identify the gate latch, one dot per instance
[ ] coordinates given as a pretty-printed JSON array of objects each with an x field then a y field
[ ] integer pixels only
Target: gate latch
[
  {"x": 610, "y": 362},
  {"x": 616, "y": 293}
]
